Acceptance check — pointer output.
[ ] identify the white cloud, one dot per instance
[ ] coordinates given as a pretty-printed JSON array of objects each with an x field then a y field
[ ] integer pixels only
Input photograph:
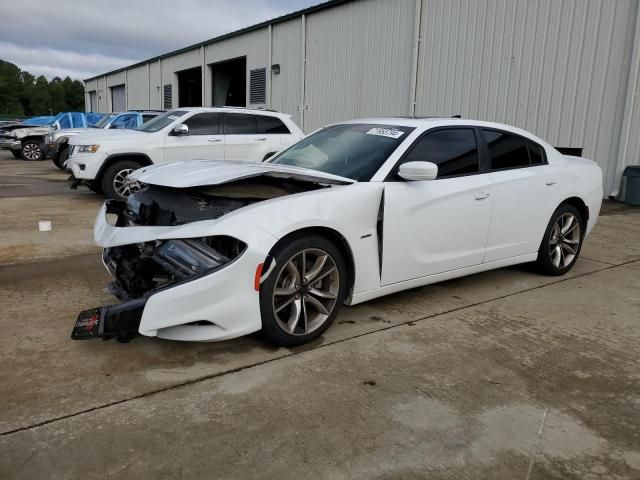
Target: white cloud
[{"x": 82, "y": 39}]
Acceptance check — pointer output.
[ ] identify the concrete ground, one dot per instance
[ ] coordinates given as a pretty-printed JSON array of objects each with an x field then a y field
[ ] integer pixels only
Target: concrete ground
[{"x": 501, "y": 375}]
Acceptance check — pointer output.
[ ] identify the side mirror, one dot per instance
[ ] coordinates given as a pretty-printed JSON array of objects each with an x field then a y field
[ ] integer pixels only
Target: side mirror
[
  {"x": 180, "y": 129},
  {"x": 418, "y": 171}
]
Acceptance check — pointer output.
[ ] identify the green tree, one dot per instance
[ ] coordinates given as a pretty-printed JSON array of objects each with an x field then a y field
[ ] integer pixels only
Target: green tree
[{"x": 21, "y": 93}]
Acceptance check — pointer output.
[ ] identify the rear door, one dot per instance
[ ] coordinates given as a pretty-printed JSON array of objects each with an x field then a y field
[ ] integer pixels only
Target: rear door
[
  {"x": 519, "y": 194},
  {"x": 243, "y": 140},
  {"x": 278, "y": 134},
  {"x": 203, "y": 142},
  {"x": 435, "y": 226}
]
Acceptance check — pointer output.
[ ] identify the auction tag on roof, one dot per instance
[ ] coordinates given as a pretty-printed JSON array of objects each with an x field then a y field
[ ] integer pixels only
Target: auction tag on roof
[{"x": 386, "y": 132}]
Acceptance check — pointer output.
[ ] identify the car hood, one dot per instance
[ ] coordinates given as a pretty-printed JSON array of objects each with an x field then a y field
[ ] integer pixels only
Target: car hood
[
  {"x": 69, "y": 131},
  {"x": 195, "y": 173},
  {"x": 95, "y": 135}
]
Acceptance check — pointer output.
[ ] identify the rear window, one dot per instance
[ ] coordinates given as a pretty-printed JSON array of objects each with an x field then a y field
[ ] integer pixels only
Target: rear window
[
  {"x": 512, "y": 151},
  {"x": 240, "y": 124},
  {"x": 271, "y": 125},
  {"x": 505, "y": 150}
]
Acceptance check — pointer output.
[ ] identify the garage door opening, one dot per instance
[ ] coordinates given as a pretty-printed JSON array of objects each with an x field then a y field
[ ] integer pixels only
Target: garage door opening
[
  {"x": 118, "y": 98},
  {"x": 229, "y": 83},
  {"x": 190, "y": 87}
]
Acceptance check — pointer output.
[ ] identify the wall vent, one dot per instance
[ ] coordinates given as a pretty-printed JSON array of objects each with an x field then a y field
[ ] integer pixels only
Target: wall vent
[
  {"x": 167, "y": 97},
  {"x": 258, "y": 85}
]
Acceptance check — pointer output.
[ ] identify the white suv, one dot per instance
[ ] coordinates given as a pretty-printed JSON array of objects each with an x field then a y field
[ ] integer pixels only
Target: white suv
[{"x": 102, "y": 159}]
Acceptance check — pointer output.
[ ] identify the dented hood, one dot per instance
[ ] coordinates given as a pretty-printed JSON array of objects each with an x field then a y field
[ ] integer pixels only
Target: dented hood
[{"x": 196, "y": 173}]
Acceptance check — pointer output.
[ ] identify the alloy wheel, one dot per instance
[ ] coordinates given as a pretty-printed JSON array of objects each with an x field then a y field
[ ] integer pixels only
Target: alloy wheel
[
  {"x": 123, "y": 186},
  {"x": 565, "y": 240},
  {"x": 31, "y": 151},
  {"x": 306, "y": 291}
]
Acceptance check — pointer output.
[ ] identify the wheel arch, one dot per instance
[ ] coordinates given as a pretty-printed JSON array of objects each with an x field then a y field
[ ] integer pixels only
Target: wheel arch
[
  {"x": 37, "y": 138},
  {"x": 580, "y": 205},
  {"x": 141, "y": 158},
  {"x": 334, "y": 237}
]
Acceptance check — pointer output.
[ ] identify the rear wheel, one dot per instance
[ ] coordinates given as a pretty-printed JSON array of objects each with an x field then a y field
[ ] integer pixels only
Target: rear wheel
[
  {"x": 562, "y": 241},
  {"x": 114, "y": 181},
  {"x": 32, "y": 150},
  {"x": 302, "y": 296}
]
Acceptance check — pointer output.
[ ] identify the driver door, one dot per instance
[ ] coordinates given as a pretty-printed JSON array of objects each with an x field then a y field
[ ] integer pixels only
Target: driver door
[
  {"x": 435, "y": 226},
  {"x": 203, "y": 142}
]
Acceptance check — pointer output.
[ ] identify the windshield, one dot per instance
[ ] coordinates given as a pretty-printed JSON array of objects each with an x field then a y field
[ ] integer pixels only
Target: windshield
[
  {"x": 161, "y": 121},
  {"x": 354, "y": 151},
  {"x": 104, "y": 120}
]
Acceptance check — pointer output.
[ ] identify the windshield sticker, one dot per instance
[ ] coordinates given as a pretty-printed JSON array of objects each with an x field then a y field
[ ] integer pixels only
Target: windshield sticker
[{"x": 386, "y": 132}]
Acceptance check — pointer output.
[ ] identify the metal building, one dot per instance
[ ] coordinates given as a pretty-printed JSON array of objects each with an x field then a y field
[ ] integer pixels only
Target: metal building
[{"x": 566, "y": 70}]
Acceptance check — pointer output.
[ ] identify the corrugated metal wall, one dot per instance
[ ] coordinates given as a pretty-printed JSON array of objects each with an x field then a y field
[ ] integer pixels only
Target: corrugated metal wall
[
  {"x": 556, "y": 68},
  {"x": 286, "y": 87},
  {"x": 137, "y": 88},
  {"x": 358, "y": 61}
]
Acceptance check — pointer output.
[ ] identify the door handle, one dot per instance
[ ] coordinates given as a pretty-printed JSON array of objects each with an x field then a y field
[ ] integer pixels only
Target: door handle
[
  {"x": 551, "y": 182},
  {"x": 482, "y": 195},
  {"x": 214, "y": 140},
  {"x": 260, "y": 139}
]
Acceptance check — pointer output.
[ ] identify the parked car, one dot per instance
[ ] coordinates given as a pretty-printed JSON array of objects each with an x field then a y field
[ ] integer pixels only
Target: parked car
[
  {"x": 56, "y": 143},
  {"x": 102, "y": 160},
  {"x": 26, "y": 141},
  {"x": 215, "y": 250}
]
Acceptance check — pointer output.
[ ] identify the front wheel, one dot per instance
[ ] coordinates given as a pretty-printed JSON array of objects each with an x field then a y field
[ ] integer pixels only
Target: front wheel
[
  {"x": 562, "y": 241},
  {"x": 61, "y": 159},
  {"x": 114, "y": 180},
  {"x": 32, "y": 150},
  {"x": 302, "y": 295}
]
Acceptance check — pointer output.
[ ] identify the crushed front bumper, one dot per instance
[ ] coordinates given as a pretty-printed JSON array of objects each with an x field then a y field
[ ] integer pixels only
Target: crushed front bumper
[{"x": 218, "y": 304}]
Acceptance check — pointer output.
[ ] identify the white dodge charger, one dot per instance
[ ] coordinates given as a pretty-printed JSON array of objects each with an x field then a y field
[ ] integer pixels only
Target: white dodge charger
[{"x": 211, "y": 250}]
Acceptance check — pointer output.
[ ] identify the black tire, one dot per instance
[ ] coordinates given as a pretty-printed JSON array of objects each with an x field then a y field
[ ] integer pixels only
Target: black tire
[
  {"x": 291, "y": 249},
  {"x": 95, "y": 187},
  {"x": 110, "y": 175},
  {"x": 60, "y": 159},
  {"x": 32, "y": 151},
  {"x": 565, "y": 252},
  {"x": 17, "y": 154}
]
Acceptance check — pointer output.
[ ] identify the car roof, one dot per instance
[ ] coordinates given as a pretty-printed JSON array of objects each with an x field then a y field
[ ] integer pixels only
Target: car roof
[
  {"x": 250, "y": 111},
  {"x": 425, "y": 123}
]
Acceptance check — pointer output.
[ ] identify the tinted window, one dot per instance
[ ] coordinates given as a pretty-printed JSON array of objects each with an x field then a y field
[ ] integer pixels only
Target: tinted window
[
  {"x": 505, "y": 150},
  {"x": 161, "y": 121},
  {"x": 148, "y": 116},
  {"x": 351, "y": 150},
  {"x": 203, "y": 124},
  {"x": 271, "y": 125},
  {"x": 536, "y": 153},
  {"x": 240, "y": 124},
  {"x": 454, "y": 151}
]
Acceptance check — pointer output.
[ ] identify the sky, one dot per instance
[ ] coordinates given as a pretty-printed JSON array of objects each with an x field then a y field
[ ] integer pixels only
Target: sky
[{"x": 85, "y": 38}]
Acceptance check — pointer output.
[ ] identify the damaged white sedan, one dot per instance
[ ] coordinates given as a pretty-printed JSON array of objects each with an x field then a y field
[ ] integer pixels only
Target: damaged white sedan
[{"x": 211, "y": 250}]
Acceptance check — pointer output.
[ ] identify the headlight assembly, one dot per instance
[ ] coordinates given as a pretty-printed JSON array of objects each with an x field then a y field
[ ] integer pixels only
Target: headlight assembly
[{"x": 87, "y": 148}]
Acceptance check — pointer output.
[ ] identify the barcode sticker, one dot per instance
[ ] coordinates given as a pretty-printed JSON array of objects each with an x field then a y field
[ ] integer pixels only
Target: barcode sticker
[{"x": 386, "y": 132}]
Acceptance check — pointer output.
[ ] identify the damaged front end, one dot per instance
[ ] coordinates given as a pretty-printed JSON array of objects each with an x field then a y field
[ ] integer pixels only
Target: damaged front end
[
  {"x": 142, "y": 269},
  {"x": 153, "y": 260}
]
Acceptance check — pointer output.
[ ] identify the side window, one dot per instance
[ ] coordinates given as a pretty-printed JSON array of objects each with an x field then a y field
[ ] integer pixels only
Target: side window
[
  {"x": 536, "y": 153},
  {"x": 204, "y": 124},
  {"x": 453, "y": 150},
  {"x": 240, "y": 124},
  {"x": 271, "y": 125},
  {"x": 506, "y": 150}
]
